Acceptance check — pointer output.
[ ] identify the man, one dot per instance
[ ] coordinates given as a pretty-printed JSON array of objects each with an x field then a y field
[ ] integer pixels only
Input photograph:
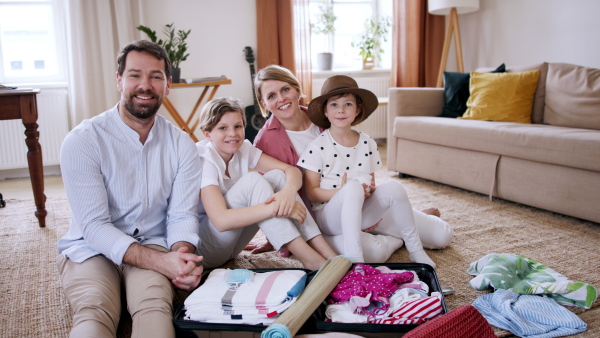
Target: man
[{"x": 132, "y": 180}]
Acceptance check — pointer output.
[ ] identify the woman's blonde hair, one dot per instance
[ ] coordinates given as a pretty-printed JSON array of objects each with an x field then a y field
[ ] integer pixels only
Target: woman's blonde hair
[
  {"x": 274, "y": 72},
  {"x": 213, "y": 111}
]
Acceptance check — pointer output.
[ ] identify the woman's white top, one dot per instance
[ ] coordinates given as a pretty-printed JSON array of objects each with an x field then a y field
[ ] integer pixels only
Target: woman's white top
[{"x": 301, "y": 139}]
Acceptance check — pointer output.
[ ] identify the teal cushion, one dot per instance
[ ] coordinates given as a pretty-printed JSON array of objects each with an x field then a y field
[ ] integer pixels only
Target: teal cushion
[{"x": 456, "y": 92}]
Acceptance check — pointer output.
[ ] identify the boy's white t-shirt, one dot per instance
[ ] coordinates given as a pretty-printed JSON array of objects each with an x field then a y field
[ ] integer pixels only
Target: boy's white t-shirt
[
  {"x": 325, "y": 156},
  {"x": 213, "y": 166},
  {"x": 301, "y": 139}
]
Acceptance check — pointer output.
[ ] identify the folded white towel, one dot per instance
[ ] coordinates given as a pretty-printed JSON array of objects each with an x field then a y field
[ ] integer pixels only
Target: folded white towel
[{"x": 264, "y": 294}]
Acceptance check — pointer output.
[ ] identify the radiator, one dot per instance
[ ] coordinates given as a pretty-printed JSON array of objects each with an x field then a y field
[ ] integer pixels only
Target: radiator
[
  {"x": 52, "y": 125},
  {"x": 376, "y": 125}
]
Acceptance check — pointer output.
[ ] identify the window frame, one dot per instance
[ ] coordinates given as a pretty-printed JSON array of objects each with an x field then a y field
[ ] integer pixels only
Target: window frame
[
  {"x": 59, "y": 13},
  {"x": 357, "y": 64}
]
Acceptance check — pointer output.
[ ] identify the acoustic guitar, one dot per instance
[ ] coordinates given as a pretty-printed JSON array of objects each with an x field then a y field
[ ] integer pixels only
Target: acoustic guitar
[{"x": 254, "y": 118}]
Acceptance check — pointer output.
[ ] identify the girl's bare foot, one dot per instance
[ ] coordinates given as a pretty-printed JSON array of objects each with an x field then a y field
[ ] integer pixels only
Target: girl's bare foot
[{"x": 432, "y": 211}]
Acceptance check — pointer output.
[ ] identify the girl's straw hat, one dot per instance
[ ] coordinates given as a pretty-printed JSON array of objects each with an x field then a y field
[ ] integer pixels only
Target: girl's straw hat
[{"x": 340, "y": 84}]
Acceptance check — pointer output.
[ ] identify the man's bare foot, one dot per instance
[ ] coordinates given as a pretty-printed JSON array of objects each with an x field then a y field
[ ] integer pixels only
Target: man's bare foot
[{"x": 432, "y": 211}]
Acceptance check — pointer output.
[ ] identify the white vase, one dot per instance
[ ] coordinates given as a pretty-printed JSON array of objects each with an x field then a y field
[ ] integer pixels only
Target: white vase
[{"x": 324, "y": 61}]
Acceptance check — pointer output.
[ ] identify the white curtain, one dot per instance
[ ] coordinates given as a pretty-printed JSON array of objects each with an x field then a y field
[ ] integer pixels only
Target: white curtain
[{"x": 96, "y": 31}]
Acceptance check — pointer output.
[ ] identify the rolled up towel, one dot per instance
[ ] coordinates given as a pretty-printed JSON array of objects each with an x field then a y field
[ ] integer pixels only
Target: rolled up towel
[{"x": 328, "y": 276}]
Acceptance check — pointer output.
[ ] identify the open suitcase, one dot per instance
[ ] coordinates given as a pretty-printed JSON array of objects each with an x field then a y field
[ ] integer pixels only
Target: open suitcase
[{"x": 316, "y": 323}]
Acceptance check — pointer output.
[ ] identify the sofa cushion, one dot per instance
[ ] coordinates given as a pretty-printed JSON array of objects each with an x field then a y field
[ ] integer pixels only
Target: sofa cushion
[
  {"x": 572, "y": 147},
  {"x": 506, "y": 97},
  {"x": 572, "y": 96},
  {"x": 456, "y": 92},
  {"x": 537, "y": 115}
]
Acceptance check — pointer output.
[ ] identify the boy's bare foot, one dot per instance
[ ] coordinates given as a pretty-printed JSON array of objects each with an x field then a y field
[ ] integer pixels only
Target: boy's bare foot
[
  {"x": 432, "y": 211},
  {"x": 258, "y": 247},
  {"x": 266, "y": 246}
]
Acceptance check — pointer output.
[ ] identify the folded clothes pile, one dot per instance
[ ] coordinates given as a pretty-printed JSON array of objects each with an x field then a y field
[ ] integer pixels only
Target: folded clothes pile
[
  {"x": 529, "y": 297},
  {"x": 382, "y": 296},
  {"x": 528, "y": 315},
  {"x": 242, "y": 296},
  {"x": 528, "y": 277}
]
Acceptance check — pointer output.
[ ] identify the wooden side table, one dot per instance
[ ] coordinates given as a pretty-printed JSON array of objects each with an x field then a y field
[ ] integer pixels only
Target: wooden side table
[
  {"x": 22, "y": 104},
  {"x": 185, "y": 124}
]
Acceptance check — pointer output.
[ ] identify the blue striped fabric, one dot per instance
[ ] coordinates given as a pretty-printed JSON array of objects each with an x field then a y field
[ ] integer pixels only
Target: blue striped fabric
[
  {"x": 122, "y": 191},
  {"x": 528, "y": 315}
]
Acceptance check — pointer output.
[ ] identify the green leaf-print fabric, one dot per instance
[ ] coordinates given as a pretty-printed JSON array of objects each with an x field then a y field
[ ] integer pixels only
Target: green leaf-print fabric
[{"x": 526, "y": 277}]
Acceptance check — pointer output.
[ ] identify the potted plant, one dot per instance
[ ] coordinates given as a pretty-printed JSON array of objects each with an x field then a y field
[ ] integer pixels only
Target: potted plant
[
  {"x": 369, "y": 41},
  {"x": 174, "y": 44},
  {"x": 323, "y": 24}
]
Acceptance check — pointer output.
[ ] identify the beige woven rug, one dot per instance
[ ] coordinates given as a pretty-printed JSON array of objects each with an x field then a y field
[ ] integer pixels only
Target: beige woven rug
[{"x": 33, "y": 304}]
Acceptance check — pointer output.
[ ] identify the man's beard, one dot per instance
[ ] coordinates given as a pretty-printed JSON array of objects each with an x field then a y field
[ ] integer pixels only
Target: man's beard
[{"x": 141, "y": 111}]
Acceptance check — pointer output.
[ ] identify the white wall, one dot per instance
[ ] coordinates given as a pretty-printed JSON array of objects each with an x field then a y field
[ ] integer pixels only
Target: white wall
[
  {"x": 521, "y": 32},
  {"x": 516, "y": 32},
  {"x": 220, "y": 31}
]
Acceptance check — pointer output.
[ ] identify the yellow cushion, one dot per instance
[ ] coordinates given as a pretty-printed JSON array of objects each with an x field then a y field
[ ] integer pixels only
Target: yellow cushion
[{"x": 506, "y": 97}]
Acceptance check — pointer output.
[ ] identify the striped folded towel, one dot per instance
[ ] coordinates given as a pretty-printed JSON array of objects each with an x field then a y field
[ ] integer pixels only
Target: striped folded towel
[{"x": 260, "y": 295}]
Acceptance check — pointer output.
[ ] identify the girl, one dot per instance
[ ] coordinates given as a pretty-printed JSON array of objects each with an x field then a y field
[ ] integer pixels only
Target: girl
[
  {"x": 339, "y": 177},
  {"x": 239, "y": 202}
]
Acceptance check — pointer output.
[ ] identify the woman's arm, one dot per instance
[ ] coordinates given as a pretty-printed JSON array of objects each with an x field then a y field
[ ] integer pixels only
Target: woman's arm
[
  {"x": 228, "y": 219},
  {"x": 313, "y": 190},
  {"x": 285, "y": 199}
]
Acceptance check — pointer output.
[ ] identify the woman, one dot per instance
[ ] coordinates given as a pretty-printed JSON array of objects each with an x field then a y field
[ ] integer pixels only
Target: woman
[{"x": 287, "y": 133}]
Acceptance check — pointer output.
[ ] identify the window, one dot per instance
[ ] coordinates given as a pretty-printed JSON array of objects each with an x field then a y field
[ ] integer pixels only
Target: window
[
  {"x": 32, "y": 43},
  {"x": 351, "y": 16}
]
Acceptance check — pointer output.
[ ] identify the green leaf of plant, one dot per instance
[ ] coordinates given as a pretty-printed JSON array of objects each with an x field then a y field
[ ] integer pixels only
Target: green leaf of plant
[{"x": 174, "y": 45}]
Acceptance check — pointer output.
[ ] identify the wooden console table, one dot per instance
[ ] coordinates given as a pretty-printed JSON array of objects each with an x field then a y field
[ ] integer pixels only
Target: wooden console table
[
  {"x": 22, "y": 104},
  {"x": 185, "y": 124}
]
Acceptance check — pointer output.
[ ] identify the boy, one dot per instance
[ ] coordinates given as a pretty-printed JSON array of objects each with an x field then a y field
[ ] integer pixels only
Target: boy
[{"x": 239, "y": 202}]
